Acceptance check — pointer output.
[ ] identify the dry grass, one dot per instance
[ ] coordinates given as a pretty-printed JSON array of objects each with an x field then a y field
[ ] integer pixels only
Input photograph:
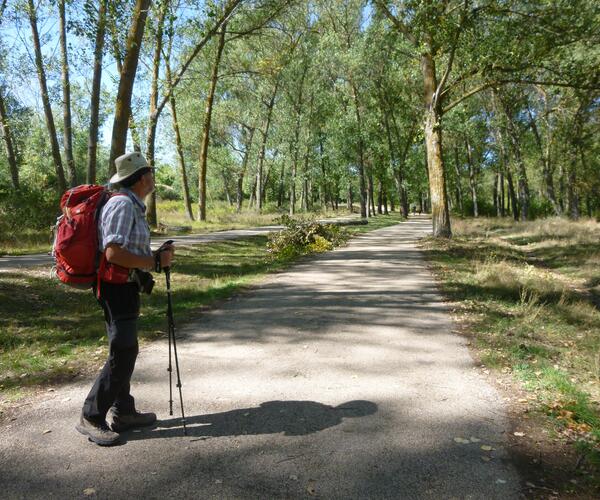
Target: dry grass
[{"x": 530, "y": 293}]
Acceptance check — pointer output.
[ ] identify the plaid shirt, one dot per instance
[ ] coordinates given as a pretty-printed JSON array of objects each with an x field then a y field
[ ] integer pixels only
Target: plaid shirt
[{"x": 123, "y": 221}]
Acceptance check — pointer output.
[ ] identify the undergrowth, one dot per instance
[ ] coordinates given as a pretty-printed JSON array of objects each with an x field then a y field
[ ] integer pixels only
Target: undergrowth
[
  {"x": 528, "y": 293},
  {"x": 302, "y": 236}
]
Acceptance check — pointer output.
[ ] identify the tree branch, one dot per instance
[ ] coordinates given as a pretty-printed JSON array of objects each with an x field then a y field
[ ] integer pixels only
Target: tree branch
[
  {"x": 442, "y": 83},
  {"x": 494, "y": 83},
  {"x": 229, "y": 8},
  {"x": 467, "y": 95},
  {"x": 595, "y": 86},
  {"x": 397, "y": 22}
]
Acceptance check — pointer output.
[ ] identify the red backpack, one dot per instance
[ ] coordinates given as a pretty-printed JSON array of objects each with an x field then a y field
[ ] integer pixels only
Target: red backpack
[{"x": 75, "y": 249}]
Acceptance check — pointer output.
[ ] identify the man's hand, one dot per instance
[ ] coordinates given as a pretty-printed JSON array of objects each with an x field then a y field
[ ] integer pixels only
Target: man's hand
[{"x": 166, "y": 255}]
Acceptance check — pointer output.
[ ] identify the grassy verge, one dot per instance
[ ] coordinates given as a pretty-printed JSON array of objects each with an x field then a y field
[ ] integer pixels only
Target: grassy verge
[
  {"x": 28, "y": 241},
  {"x": 529, "y": 295},
  {"x": 50, "y": 333}
]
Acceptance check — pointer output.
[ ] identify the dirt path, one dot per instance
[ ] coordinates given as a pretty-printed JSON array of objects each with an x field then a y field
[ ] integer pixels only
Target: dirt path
[{"x": 339, "y": 378}]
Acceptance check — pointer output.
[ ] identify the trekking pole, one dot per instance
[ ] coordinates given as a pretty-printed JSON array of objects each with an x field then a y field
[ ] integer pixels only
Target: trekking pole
[{"x": 173, "y": 342}]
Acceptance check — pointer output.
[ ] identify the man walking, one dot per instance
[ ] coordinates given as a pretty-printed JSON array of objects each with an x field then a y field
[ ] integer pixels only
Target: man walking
[{"x": 124, "y": 238}]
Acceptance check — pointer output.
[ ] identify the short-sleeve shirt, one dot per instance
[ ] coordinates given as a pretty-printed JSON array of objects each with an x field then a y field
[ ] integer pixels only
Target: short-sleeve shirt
[{"x": 123, "y": 221}]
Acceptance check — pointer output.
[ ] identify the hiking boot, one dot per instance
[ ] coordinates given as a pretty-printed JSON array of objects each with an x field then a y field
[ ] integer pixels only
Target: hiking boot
[
  {"x": 98, "y": 433},
  {"x": 120, "y": 422}
]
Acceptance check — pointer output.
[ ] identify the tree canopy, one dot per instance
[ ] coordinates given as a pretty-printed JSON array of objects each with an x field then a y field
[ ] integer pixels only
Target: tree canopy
[{"x": 476, "y": 107}]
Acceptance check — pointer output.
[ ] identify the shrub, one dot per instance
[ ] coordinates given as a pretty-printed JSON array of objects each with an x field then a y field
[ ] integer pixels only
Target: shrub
[
  {"x": 301, "y": 237},
  {"x": 30, "y": 207}
]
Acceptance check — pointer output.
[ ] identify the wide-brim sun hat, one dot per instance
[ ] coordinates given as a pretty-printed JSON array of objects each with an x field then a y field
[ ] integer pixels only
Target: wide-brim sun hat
[{"x": 127, "y": 165}]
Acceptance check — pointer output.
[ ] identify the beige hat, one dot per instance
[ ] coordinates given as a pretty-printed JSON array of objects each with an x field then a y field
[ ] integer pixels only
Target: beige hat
[{"x": 127, "y": 165}]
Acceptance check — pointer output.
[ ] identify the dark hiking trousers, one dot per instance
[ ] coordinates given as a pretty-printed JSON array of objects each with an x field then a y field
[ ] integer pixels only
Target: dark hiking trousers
[{"x": 121, "y": 306}]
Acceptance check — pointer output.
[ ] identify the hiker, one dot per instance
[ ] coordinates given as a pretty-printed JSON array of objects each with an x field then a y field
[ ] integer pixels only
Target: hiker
[{"x": 124, "y": 239}]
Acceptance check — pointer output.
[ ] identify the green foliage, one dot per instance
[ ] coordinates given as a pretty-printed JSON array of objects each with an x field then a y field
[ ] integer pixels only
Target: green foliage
[
  {"x": 301, "y": 237},
  {"x": 28, "y": 207}
]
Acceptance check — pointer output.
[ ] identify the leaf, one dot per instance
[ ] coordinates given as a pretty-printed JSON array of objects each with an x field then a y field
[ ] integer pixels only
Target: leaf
[
  {"x": 519, "y": 434},
  {"x": 89, "y": 492},
  {"x": 474, "y": 440},
  {"x": 461, "y": 440},
  {"x": 47, "y": 431},
  {"x": 486, "y": 447},
  {"x": 486, "y": 458}
]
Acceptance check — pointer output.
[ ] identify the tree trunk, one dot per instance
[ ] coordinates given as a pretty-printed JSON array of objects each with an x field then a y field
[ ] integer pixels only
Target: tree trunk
[
  {"x": 151, "y": 214},
  {"x": 459, "y": 193},
  {"x": 504, "y": 165},
  {"x": 131, "y": 124},
  {"x": 502, "y": 196},
  {"x": 496, "y": 193},
  {"x": 350, "y": 200},
  {"x": 572, "y": 195},
  {"x": 239, "y": 193},
  {"x": 372, "y": 192},
  {"x": 396, "y": 163},
  {"x": 179, "y": 146},
  {"x": 435, "y": 163},
  {"x": 293, "y": 186},
  {"x": 546, "y": 171},
  {"x": 8, "y": 144},
  {"x": 296, "y": 145},
  {"x": 514, "y": 202},
  {"x": 127, "y": 78},
  {"x": 302, "y": 186},
  {"x": 327, "y": 195},
  {"x": 380, "y": 197},
  {"x": 252, "y": 199},
  {"x": 472, "y": 178},
  {"x": 281, "y": 192},
  {"x": 60, "y": 174},
  {"x": 242, "y": 172},
  {"x": 305, "y": 204},
  {"x": 181, "y": 159},
  {"x": 385, "y": 203},
  {"x": 361, "y": 154},
  {"x": 226, "y": 188},
  {"x": 206, "y": 128},
  {"x": 523, "y": 185},
  {"x": 261, "y": 154},
  {"x": 266, "y": 180},
  {"x": 95, "y": 98},
  {"x": 66, "y": 88}
]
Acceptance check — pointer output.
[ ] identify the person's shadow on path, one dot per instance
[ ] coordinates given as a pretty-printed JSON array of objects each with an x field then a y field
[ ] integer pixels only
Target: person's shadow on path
[{"x": 293, "y": 418}]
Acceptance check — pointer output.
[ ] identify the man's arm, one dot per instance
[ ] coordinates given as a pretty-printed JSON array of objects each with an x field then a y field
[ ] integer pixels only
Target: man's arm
[{"x": 116, "y": 254}]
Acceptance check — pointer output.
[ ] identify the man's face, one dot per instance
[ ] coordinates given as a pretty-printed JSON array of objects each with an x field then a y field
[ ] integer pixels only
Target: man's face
[{"x": 148, "y": 182}]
